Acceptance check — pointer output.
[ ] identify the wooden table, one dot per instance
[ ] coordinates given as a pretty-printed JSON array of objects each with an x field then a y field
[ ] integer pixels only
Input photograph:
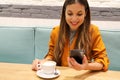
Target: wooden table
[{"x": 12, "y": 71}]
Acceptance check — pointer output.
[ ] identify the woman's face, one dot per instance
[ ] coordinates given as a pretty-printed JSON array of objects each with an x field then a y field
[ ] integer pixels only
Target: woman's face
[{"x": 75, "y": 14}]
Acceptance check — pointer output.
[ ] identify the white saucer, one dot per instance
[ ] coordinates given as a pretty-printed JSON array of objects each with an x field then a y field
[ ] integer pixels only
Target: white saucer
[{"x": 47, "y": 76}]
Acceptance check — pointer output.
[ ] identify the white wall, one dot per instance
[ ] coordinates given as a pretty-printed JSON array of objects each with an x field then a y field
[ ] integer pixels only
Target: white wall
[
  {"x": 30, "y": 22},
  {"x": 93, "y": 3}
]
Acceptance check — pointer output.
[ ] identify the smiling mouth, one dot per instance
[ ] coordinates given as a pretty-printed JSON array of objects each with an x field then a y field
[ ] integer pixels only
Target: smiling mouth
[{"x": 74, "y": 23}]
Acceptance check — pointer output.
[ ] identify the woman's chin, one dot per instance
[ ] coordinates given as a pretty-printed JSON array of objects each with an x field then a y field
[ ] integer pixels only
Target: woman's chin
[{"x": 74, "y": 28}]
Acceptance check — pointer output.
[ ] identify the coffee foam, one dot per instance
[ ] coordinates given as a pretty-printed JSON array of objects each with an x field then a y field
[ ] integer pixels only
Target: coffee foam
[{"x": 49, "y": 63}]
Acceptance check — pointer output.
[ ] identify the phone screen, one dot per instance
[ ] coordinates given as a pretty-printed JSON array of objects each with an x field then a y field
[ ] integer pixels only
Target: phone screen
[{"x": 77, "y": 55}]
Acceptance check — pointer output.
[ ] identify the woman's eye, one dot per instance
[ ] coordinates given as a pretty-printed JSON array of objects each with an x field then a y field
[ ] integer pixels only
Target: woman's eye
[
  {"x": 79, "y": 14},
  {"x": 70, "y": 14}
]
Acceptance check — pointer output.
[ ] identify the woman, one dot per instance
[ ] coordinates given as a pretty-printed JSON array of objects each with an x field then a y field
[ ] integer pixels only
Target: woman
[{"x": 76, "y": 32}]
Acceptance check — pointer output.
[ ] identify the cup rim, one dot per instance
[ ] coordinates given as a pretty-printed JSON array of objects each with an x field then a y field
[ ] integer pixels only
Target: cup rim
[{"x": 54, "y": 63}]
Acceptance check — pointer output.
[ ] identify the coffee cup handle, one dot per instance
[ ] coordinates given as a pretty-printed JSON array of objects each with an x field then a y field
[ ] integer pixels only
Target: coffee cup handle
[{"x": 39, "y": 66}]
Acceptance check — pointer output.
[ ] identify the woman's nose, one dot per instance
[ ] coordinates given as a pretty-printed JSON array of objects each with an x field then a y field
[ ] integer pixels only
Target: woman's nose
[{"x": 74, "y": 18}]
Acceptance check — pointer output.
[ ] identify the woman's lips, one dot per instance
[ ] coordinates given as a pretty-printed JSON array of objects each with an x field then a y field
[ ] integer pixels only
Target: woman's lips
[{"x": 74, "y": 24}]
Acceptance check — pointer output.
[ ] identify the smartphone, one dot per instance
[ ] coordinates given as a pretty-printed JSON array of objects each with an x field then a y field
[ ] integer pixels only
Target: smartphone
[{"x": 77, "y": 55}]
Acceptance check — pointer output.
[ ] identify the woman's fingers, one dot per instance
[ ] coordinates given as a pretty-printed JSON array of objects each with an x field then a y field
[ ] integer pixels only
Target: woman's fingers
[
  {"x": 35, "y": 64},
  {"x": 73, "y": 63},
  {"x": 85, "y": 61},
  {"x": 69, "y": 62}
]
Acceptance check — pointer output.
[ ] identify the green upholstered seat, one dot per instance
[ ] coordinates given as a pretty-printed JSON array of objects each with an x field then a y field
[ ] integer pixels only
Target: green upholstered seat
[
  {"x": 22, "y": 45},
  {"x": 42, "y": 36},
  {"x": 16, "y": 45},
  {"x": 111, "y": 39}
]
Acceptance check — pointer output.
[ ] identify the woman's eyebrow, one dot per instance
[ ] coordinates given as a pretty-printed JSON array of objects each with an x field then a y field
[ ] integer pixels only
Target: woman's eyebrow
[{"x": 72, "y": 11}]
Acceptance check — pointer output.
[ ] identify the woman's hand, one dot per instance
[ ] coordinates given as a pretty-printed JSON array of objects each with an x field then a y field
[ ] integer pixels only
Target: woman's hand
[
  {"x": 74, "y": 64},
  {"x": 36, "y": 62}
]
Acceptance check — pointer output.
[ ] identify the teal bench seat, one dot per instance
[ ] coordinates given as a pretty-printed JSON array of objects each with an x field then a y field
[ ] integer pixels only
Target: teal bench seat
[
  {"x": 112, "y": 43},
  {"x": 16, "y": 45},
  {"x": 24, "y": 44}
]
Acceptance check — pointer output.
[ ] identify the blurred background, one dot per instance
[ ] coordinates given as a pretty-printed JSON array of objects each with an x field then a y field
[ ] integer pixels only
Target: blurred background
[{"x": 105, "y": 13}]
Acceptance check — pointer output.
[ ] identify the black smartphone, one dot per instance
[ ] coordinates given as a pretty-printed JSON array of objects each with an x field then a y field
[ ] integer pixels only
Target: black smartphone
[{"x": 77, "y": 55}]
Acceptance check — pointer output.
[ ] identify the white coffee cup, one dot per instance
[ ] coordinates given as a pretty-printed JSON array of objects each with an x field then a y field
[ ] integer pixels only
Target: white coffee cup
[{"x": 48, "y": 67}]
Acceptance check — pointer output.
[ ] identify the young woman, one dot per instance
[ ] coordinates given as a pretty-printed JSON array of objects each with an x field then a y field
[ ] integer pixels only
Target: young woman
[{"x": 76, "y": 32}]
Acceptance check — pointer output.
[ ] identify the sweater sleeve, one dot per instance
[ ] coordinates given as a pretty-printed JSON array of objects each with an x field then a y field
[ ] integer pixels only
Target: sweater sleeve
[{"x": 99, "y": 53}]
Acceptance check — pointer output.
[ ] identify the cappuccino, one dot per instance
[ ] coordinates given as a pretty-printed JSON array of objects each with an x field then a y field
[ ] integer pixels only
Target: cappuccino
[{"x": 48, "y": 67}]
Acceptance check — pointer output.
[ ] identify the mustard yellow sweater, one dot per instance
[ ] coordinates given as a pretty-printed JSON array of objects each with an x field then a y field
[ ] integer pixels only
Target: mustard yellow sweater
[{"x": 98, "y": 51}]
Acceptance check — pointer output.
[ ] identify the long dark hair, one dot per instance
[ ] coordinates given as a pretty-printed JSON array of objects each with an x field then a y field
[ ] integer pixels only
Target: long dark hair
[{"x": 83, "y": 40}]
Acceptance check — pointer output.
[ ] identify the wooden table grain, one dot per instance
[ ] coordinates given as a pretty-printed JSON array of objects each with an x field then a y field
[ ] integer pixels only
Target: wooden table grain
[{"x": 14, "y": 71}]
